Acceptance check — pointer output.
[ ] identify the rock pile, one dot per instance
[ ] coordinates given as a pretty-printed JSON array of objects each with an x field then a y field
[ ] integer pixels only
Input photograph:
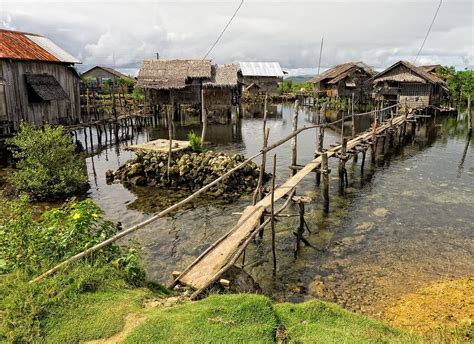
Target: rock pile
[{"x": 189, "y": 170}]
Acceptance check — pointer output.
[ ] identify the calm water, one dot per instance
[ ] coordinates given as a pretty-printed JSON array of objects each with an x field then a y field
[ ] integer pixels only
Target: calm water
[{"x": 407, "y": 221}]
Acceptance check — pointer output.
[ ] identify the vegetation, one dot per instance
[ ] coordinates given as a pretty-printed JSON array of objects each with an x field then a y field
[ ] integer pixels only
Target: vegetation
[
  {"x": 249, "y": 318},
  {"x": 288, "y": 86},
  {"x": 32, "y": 243},
  {"x": 138, "y": 93},
  {"x": 47, "y": 165},
  {"x": 460, "y": 83},
  {"x": 196, "y": 142}
]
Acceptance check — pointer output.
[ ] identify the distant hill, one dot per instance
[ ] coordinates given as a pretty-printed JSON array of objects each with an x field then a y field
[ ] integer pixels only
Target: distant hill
[{"x": 299, "y": 78}]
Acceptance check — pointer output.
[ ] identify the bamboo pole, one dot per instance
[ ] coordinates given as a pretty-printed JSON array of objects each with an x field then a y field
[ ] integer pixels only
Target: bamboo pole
[
  {"x": 322, "y": 119},
  {"x": 374, "y": 137},
  {"x": 170, "y": 139},
  {"x": 294, "y": 140},
  {"x": 469, "y": 116},
  {"x": 273, "y": 215},
  {"x": 266, "y": 133}
]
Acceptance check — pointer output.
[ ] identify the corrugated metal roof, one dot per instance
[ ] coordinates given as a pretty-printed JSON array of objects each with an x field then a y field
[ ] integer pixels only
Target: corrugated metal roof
[
  {"x": 27, "y": 46},
  {"x": 261, "y": 69}
]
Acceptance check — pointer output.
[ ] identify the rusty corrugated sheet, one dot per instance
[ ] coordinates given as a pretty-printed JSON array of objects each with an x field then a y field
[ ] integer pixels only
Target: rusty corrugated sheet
[{"x": 26, "y": 46}]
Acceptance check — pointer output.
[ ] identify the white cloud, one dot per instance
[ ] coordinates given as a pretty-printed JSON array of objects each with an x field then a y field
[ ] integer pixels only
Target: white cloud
[{"x": 123, "y": 33}]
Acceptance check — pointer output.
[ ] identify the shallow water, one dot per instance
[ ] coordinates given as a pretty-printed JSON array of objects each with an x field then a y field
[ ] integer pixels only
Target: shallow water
[{"x": 407, "y": 221}]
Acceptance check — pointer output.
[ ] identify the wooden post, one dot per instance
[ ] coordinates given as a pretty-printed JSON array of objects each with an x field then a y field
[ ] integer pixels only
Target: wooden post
[
  {"x": 342, "y": 125},
  {"x": 170, "y": 138},
  {"x": 258, "y": 193},
  {"x": 294, "y": 140},
  {"x": 322, "y": 120},
  {"x": 325, "y": 172},
  {"x": 114, "y": 110},
  {"x": 374, "y": 137},
  {"x": 342, "y": 166},
  {"x": 353, "y": 117},
  {"x": 204, "y": 117},
  {"x": 364, "y": 152},
  {"x": 88, "y": 108},
  {"x": 469, "y": 116},
  {"x": 273, "y": 215}
]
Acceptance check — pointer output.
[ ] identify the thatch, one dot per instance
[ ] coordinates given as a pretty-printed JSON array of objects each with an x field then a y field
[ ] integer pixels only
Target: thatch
[
  {"x": 172, "y": 74},
  {"x": 46, "y": 86},
  {"x": 341, "y": 71},
  {"x": 224, "y": 75},
  {"x": 413, "y": 74}
]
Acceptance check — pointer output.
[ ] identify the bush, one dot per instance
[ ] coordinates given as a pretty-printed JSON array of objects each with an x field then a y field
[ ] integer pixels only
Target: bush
[
  {"x": 195, "y": 141},
  {"x": 138, "y": 93},
  {"x": 48, "y": 167}
]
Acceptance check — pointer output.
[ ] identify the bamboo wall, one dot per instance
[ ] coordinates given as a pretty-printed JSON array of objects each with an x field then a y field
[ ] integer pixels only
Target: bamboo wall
[{"x": 18, "y": 108}]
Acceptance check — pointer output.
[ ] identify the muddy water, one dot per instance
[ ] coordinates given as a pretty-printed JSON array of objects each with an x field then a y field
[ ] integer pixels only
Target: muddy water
[{"x": 406, "y": 221}]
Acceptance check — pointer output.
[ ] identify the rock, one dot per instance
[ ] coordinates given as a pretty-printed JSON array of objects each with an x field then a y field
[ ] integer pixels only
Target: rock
[
  {"x": 380, "y": 212},
  {"x": 109, "y": 176},
  {"x": 138, "y": 180},
  {"x": 364, "y": 227}
]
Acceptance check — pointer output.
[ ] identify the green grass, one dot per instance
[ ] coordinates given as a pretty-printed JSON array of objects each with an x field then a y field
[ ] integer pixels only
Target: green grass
[
  {"x": 320, "y": 322},
  {"x": 94, "y": 315},
  {"x": 249, "y": 318},
  {"x": 217, "y": 319}
]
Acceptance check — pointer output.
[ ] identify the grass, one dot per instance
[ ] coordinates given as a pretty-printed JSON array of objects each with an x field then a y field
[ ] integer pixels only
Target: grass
[
  {"x": 249, "y": 318},
  {"x": 216, "y": 319},
  {"x": 320, "y": 322},
  {"x": 95, "y": 315}
]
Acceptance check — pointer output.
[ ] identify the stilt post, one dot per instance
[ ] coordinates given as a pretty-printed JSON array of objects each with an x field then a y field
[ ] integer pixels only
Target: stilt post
[
  {"x": 294, "y": 140},
  {"x": 273, "y": 215}
]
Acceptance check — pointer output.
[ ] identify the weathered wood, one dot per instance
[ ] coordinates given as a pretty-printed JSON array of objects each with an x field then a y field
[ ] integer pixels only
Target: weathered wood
[
  {"x": 322, "y": 120},
  {"x": 204, "y": 117},
  {"x": 325, "y": 172},
  {"x": 469, "y": 116},
  {"x": 265, "y": 134},
  {"x": 272, "y": 218},
  {"x": 353, "y": 116},
  {"x": 294, "y": 140}
]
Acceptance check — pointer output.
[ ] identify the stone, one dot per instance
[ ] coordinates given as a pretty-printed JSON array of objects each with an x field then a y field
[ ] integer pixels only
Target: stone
[{"x": 380, "y": 212}]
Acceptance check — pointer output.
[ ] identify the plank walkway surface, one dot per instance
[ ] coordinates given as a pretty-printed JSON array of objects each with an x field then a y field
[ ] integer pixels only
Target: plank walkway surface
[{"x": 208, "y": 267}]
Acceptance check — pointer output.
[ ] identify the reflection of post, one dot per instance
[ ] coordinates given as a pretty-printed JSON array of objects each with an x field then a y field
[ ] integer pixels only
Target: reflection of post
[{"x": 294, "y": 140}]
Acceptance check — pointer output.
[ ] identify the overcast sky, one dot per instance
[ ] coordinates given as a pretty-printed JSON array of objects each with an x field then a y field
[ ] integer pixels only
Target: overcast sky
[{"x": 122, "y": 33}]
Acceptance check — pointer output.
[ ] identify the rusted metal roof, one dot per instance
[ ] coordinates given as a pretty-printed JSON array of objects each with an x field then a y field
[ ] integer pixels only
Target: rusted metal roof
[
  {"x": 32, "y": 47},
  {"x": 261, "y": 69}
]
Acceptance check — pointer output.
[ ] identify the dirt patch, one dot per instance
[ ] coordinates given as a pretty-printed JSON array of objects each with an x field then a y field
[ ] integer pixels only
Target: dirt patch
[
  {"x": 131, "y": 321},
  {"x": 447, "y": 305}
]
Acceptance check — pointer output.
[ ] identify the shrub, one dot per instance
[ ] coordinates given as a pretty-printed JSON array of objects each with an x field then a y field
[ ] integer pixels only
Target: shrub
[
  {"x": 195, "y": 141},
  {"x": 138, "y": 93},
  {"x": 48, "y": 167}
]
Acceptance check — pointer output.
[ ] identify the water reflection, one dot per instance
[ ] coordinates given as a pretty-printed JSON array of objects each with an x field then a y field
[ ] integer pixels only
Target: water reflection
[{"x": 405, "y": 221}]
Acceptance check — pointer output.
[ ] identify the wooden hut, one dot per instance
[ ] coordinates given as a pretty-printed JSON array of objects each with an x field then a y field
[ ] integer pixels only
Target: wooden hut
[
  {"x": 221, "y": 91},
  {"x": 101, "y": 74},
  {"x": 38, "y": 81},
  {"x": 169, "y": 82},
  {"x": 344, "y": 80},
  {"x": 403, "y": 82},
  {"x": 260, "y": 77}
]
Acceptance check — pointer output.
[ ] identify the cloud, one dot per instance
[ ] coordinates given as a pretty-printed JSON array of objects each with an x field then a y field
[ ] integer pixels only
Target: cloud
[{"x": 122, "y": 34}]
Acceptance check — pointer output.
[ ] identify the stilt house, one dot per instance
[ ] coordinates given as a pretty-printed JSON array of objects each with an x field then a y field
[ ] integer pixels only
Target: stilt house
[
  {"x": 38, "y": 83},
  {"x": 260, "y": 77},
  {"x": 403, "y": 82},
  {"x": 344, "y": 80},
  {"x": 101, "y": 74},
  {"x": 179, "y": 82}
]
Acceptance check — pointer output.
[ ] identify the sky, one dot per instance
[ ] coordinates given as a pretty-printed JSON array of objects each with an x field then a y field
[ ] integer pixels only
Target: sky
[{"x": 121, "y": 34}]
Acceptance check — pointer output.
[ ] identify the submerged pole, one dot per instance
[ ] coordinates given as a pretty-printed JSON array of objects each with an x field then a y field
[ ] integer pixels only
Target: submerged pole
[
  {"x": 322, "y": 119},
  {"x": 273, "y": 215},
  {"x": 325, "y": 172},
  {"x": 294, "y": 140}
]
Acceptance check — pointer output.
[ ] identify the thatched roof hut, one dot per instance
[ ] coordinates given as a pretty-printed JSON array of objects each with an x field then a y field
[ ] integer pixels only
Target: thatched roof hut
[
  {"x": 404, "y": 82},
  {"x": 343, "y": 80}
]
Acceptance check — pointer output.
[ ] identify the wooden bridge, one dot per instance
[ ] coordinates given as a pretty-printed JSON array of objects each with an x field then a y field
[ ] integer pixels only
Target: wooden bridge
[{"x": 221, "y": 255}]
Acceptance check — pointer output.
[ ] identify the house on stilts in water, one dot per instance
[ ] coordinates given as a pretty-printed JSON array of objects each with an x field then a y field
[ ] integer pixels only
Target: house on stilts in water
[
  {"x": 343, "y": 81},
  {"x": 408, "y": 84},
  {"x": 38, "y": 83},
  {"x": 260, "y": 77},
  {"x": 189, "y": 82}
]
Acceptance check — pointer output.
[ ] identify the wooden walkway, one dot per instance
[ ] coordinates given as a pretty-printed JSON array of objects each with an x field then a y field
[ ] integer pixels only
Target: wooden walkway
[{"x": 208, "y": 267}]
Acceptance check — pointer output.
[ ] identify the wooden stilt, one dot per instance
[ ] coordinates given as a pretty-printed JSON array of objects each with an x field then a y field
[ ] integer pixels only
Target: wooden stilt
[
  {"x": 342, "y": 166},
  {"x": 170, "y": 139},
  {"x": 322, "y": 120},
  {"x": 353, "y": 117},
  {"x": 469, "y": 116},
  {"x": 374, "y": 137},
  {"x": 204, "y": 117},
  {"x": 273, "y": 215},
  {"x": 294, "y": 140},
  {"x": 325, "y": 172}
]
